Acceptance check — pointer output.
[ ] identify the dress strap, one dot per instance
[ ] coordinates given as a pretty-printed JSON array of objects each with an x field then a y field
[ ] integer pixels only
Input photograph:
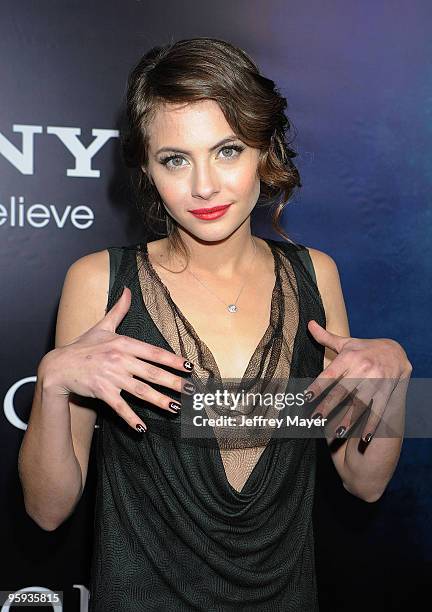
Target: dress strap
[
  {"x": 115, "y": 256},
  {"x": 301, "y": 251},
  {"x": 307, "y": 261}
]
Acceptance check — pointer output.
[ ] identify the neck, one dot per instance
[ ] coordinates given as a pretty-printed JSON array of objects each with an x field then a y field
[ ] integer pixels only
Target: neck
[{"x": 227, "y": 258}]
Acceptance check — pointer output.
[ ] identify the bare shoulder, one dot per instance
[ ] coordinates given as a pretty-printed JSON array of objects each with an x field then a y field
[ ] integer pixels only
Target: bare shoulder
[
  {"x": 326, "y": 271},
  {"x": 94, "y": 267},
  {"x": 96, "y": 258},
  {"x": 87, "y": 284},
  {"x": 323, "y": 263}
]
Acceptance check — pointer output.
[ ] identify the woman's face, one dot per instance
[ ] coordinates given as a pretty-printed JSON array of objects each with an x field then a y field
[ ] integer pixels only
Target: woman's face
[{"x": 192, "y": 172}]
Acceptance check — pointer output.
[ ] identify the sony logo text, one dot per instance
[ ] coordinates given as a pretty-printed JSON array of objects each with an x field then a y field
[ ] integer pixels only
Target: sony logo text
[
  {"x": 39, "y": 214},
  {"x": 23, "y": 159}
]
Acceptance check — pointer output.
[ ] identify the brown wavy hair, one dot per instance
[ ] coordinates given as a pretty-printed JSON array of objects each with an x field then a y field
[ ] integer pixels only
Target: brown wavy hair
[{"x": 204, "y": 68}]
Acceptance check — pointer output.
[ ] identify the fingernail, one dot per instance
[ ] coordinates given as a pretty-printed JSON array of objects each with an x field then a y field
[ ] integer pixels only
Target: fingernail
[
  {"x": 317, "y": 415},
  {"x": 188, "y": 365},
  {"x": 368, "y": 438},
  {"x": 309, "y": 395},
  {"x": 141, "y": 428},
  {"x": 340, "y": 431},
  {"x": 189, "y": 387},
  {"x": 175, "y": 406}
]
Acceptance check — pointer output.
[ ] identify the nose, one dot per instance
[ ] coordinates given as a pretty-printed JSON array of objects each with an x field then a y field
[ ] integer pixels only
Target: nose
[{"x": 205, "y": 182}]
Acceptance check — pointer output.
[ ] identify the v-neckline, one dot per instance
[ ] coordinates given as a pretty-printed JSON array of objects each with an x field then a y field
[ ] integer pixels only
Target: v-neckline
[
  {"x": 268, "y": 241},
  {"x": 246, "y": 493}
]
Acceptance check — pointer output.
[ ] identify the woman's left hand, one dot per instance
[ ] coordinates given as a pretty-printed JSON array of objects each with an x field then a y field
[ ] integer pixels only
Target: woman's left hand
[{"x": 370, "y": 369}]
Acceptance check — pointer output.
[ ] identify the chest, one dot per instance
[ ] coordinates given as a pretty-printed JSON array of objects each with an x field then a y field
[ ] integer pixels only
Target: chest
[{"x": 232, "y": 338}]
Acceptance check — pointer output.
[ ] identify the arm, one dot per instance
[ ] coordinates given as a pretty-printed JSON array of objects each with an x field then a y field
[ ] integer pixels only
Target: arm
[
  {"x": 364, "y": 474},
  {"x": 54, "y": 453}
]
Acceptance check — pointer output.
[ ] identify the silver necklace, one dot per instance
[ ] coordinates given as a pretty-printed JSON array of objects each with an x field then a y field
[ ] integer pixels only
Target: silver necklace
[{"x": 230, "y": 307}]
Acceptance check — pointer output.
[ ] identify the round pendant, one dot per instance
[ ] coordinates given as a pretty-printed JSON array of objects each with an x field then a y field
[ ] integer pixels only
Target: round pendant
[{"x": 232, "y": 308}]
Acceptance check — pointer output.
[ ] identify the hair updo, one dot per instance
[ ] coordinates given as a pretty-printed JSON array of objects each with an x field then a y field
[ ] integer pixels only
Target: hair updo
[{"x": 203, "y": 68}]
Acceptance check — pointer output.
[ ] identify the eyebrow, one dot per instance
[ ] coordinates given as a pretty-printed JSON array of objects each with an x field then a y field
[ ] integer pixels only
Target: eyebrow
[{"x": 218, "y": 144}]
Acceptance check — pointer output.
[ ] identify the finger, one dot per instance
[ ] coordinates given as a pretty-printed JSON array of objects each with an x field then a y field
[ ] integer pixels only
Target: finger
[
  {"x": 356, "y": 408},
  {"x": 153, "y": 374},
  {"x": 327, "y": 338},
  {"x": 113, "y": 398},
  {"x": 332, "y": 373},
  {"x": 150, "y": 352},
  {"x": 379, "y": 404},
  {"x": 334, "y": 397},
  {"x": 114, "y": 317},
  {"x": 144, "y": 391},
  {"x": 159, "y": 376},
  {"x": 365, "y": 390}
]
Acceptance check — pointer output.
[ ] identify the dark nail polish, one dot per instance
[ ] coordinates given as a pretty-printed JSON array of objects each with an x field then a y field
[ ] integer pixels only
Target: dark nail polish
[
  {"x": 175, "y": 406},
  {"x": 141, "y": 428},
  {"x": 317, "y": 415},
  {"x": 188, "y": 365},
  {"x": 368, "y": 438},
  {"x": 309, "y": 395},
  {"x": 340, "y": 431},
  {"x": 189, "y": 387}
]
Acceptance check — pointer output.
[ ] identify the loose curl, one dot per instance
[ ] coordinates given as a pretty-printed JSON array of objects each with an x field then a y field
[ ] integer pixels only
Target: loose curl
[{"x": 202, "y": 68}]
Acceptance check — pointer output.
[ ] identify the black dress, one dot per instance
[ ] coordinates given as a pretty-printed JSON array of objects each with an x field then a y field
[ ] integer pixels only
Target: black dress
[{"x": 171, "y": 531}]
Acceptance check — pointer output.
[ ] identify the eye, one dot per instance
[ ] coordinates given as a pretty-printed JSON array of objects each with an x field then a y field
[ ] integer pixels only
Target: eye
[
  {"x": 236, "y": 148},
  {"x": 166, "y": 161}
]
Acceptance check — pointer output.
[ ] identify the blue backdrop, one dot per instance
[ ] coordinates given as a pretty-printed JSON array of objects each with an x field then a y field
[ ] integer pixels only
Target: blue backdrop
[{"x": 358, "y": 80}]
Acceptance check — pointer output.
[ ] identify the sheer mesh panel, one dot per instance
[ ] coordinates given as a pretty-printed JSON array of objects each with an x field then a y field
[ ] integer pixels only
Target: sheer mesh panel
[{"x": 270, "y": 360}]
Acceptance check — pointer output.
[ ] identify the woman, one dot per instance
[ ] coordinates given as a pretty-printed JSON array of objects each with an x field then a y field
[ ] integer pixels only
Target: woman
[{"x": 194, "y": 516}]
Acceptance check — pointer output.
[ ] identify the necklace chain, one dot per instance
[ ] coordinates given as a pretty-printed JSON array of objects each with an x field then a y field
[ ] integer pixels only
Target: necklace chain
[{"x": 230, "y": 307}]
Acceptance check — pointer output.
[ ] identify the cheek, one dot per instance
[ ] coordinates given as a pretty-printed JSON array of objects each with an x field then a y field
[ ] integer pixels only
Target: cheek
[
  {"x": 244, "y": 181},
  {"x": 172, "y": 189}
]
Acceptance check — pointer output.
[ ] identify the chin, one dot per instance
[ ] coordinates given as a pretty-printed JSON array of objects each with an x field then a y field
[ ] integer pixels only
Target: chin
[
  {"x": 209, "y": 235},
  {"x": 211, "y": 231}
]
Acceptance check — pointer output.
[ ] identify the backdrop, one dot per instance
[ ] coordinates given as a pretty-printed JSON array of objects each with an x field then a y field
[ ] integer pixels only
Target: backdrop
[{"x": 358, "y": 80}]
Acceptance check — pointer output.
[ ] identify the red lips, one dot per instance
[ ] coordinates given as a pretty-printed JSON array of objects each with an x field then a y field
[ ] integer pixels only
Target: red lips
[
  {"x": 210, "y": 214},
  {"x": 209, "y": 210}
]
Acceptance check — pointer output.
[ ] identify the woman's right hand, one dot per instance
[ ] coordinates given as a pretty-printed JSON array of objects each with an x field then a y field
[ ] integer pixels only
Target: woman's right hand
[{"x": 101, "y": 363}]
